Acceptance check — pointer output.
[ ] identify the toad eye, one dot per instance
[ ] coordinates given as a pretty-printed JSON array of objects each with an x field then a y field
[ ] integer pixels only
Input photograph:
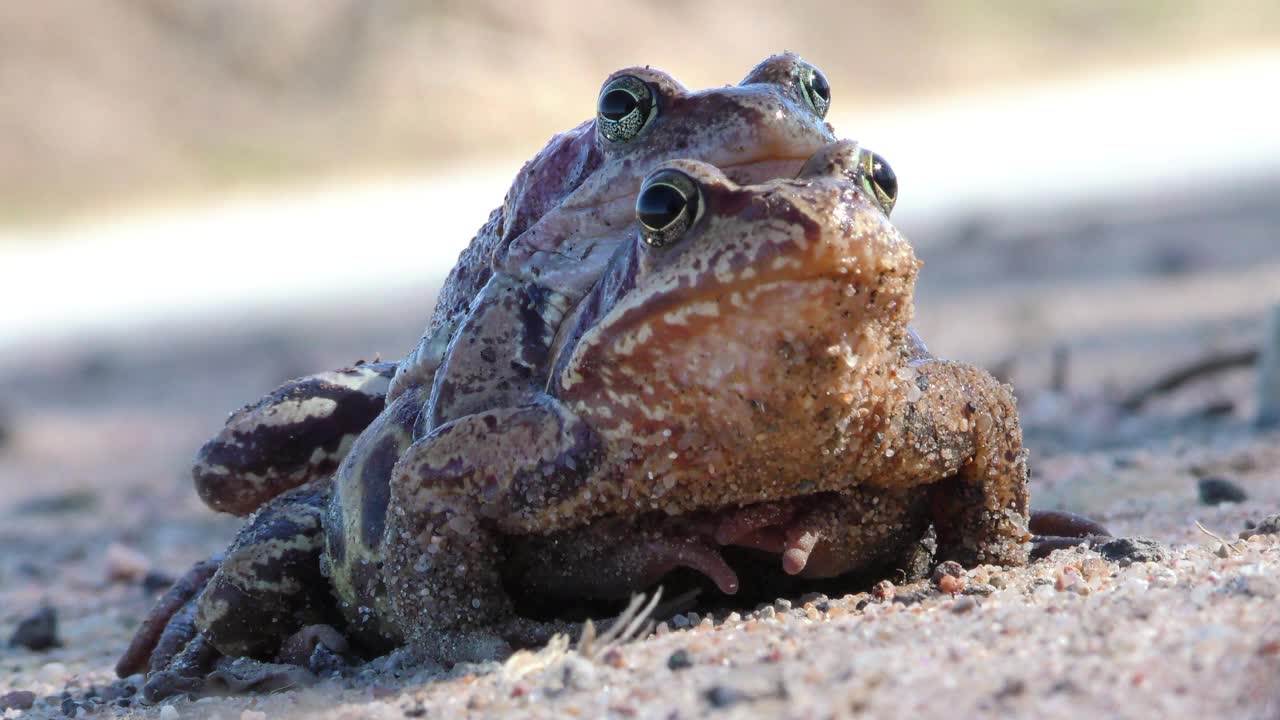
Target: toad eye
[
  {"x": 624, "y": 109},
  {"x": 815, "y": 88},
  {"x": 879, "y": 180},
  {"x": 667, "y": 207}
]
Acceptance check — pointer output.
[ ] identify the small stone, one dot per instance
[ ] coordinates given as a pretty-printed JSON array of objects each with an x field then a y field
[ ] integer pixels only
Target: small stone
[
  {"x": 680, "y": 622},
  {"x": 733, "y": 617},
  {"x": 1222, "y": 551},
  {"x": 1067, "y": 577},
  {"x": 950, "y": 584},
  {"x": 38, "y": 631},
  {"x": 679, "y": 660},
  {"x": 70, "y": 707},
  {"x": 979, "y": 589},
  {"x": 17, "y": 700},
  {"x": 1095, "y": 567},
  {"x": 950, "y": 567},
  {"x": 125, "y": 564},
  {"x": 1218, "y": 490},
  {"x": 168, "y": 712},
  {"x": 1269, "y": 525},
  {"x": 1127, "y": 551},
  {"x": 722, "y": 696},
  {"x": 782, "y": 604},
  {"x": 883, "y": 591},
  {"x": 964, "y": 605},
  {"x": 768, "y": 613}
]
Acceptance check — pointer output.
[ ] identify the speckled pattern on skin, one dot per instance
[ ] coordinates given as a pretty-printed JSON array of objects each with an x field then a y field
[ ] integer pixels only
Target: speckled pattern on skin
[{"x": 761, "y": 357}]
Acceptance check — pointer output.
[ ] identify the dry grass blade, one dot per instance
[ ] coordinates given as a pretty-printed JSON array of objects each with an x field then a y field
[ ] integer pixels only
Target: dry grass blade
[
  {"x": 1229, "y": 545},
  {"x": 630, "y": 624}
]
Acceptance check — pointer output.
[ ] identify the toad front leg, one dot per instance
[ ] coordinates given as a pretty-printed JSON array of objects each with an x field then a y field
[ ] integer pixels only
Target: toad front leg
[
  {"x": 453, "y": 494},
  {"x": 960, "y": 423},
  {"x": 298, "y": 433}
]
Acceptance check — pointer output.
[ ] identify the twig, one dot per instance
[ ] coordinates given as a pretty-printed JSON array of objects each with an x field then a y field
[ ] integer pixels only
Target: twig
[
  {"x": 1206, "y": 531},
  {"x": 1178, "y": 377}
]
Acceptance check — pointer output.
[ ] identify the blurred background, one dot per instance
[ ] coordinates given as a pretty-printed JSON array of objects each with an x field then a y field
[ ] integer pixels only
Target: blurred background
[{"x": 201, "y": 199}]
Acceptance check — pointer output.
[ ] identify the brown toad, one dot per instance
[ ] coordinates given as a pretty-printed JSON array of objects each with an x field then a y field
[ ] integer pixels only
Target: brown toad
[{"x": 747, "y": 353}]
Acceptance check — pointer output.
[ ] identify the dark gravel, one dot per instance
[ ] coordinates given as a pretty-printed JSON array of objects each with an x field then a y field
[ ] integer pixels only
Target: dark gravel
[
  {"x": 1218, "y": 490},
  {"x": 38, "y": 631}
]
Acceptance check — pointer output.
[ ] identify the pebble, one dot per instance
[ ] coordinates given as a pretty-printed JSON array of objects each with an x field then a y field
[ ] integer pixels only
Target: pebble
[
  {"x": 125, "y": 564},
  {"x": 722, "y": 696},
  {"x": 679, "y": 660},
  {"x": 883, "y": 591},
  {"x": 680, "y": 622},
  {"x": 964, "y": 605},
  {"x": 950, "y": 568},
  {"x": 782, "y": 604},
  {"x": 1067, "y": 577},
  {"x": 38, "y": 631},
  {"x": 1127, "y": 551},
  {"x": 950, "y": 584},
  {"x": 1269, "y": 525},
  {"x": 17, "y": 700},
  {"x": 169, "y": 712},
  {"x": 1218, "y": 490}
]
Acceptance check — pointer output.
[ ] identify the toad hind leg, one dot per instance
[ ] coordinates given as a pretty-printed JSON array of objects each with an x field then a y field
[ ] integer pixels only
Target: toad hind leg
[
  {"x": 965, "y": 424},
  {"x": 453, "y": 493},
  {"x": 266, "y": 586}
]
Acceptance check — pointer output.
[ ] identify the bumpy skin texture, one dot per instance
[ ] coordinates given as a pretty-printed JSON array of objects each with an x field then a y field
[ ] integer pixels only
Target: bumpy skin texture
[
  {"x": 571, "y": 208},
  {"x": 762, "y": 359}
]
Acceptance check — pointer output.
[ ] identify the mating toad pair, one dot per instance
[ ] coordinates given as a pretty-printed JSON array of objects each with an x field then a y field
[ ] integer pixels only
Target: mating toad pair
[{"x": 685, "y": 330}]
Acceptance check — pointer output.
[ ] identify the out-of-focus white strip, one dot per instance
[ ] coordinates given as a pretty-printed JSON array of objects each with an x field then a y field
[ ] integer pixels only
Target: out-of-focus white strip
[
  {"x": 1199, "y": 123},
  {"x": 1186, "y": 125}
]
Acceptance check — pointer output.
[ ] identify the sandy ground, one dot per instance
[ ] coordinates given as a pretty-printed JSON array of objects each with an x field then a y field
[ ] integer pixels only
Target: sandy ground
[{"x": 97, "y": 435}]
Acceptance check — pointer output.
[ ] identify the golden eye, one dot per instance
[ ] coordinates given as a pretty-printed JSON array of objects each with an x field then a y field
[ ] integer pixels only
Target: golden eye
[
  {"x": 815, "y": 88},
  {"x": 624, "y": 109},
  {"x": 879, "y": 180},
  {"x": 667, "y": 207}
]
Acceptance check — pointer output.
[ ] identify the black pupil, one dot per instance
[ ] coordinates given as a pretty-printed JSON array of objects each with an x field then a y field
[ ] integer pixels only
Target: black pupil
[
  {"x": 617, "y": 104},
  {"x": 820, "y": 86},
  {"x": 658, "y": 205},
  {"x": 883, "y": 176}
]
